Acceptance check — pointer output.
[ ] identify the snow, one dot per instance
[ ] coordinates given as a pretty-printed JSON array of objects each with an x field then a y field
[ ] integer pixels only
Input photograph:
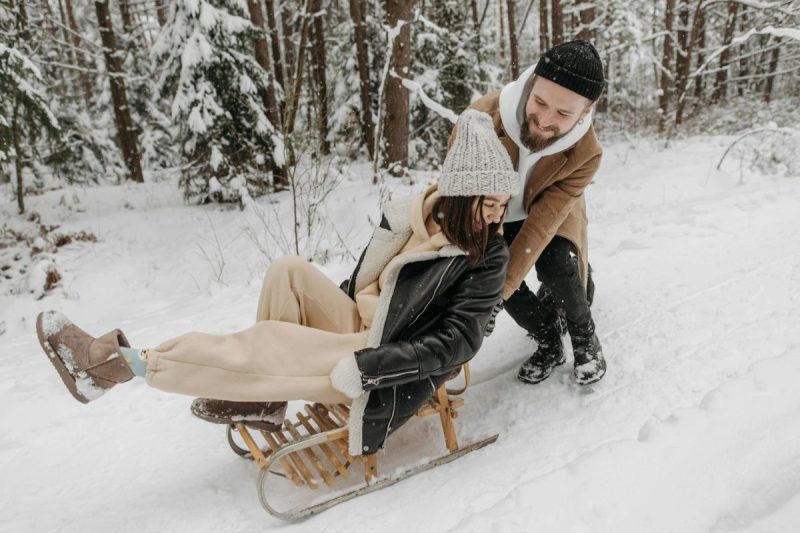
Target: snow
[{"x": 693, "y": 428}]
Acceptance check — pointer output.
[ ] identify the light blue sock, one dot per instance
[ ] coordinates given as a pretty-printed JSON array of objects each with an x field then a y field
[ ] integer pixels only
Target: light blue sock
[{"x": 135, "y": 359}]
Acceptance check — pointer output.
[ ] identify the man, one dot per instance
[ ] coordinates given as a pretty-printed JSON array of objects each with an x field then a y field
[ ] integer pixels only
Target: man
[{"x": 544, "y": 120}]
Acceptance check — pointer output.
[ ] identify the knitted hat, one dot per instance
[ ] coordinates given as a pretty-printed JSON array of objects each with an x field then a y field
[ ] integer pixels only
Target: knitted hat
[
  {"x": 575, "y": 65},
  {"x": 477, "y": 163}
]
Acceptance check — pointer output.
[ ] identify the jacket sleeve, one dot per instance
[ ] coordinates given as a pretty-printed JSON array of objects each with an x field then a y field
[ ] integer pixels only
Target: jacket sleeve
[
  {"x": 545, "y": 216},
  {"x": 453, "y": 340}
]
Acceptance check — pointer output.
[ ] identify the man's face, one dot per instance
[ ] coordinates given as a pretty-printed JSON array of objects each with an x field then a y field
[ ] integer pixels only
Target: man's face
[{"x": 551, "y": 112}]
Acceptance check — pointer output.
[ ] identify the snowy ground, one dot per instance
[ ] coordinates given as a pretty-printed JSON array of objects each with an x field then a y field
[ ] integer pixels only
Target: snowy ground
[{"x": 695, "y": 427}]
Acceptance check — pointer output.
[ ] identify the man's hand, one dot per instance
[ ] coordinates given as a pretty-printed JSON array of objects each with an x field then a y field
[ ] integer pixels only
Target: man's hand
[{"x": 490, "y": 325}]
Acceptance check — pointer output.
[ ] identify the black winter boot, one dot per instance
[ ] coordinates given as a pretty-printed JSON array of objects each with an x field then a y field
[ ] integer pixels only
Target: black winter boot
[
  {"x": 590, "y": 366},
  {"x": 548, "y": 355}
]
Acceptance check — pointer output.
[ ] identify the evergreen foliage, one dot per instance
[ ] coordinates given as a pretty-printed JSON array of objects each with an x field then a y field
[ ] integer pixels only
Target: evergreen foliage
[
  {"x": 216, "y": 90},
  {"x": 25, "y": 114},
  {"x": 450, "y": 69}
]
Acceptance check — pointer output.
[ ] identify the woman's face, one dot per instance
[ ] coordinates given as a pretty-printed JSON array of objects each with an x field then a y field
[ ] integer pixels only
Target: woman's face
[{"x": 492, "y": 210}]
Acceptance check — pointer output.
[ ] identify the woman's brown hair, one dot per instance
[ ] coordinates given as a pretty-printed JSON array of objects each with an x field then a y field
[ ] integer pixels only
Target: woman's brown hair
[{"x": 457, "y": 218}]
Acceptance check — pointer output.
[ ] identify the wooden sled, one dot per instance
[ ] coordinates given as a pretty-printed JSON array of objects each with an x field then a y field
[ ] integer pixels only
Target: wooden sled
[{"x": 312, "y": 451}]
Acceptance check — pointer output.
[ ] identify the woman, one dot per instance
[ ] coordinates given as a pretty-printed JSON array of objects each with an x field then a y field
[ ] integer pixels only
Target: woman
[{"x": 413, "y": 311}]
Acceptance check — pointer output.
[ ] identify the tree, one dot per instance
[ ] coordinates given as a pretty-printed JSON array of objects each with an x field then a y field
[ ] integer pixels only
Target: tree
[
  {"x": 544, "y": 28},
  {"x": 362, "y": 58},
  {"x": 398, "y": 16},
  {"x": 319, "y": 78},
  {"x": 720, "y": 89},
  {"x": 665, "y": 85},
  {"x": 126, "y": 136},
  {"x": 216, "y": 88},
  {"x": 556, "y": 22},
  {"x": 512, "y": 40},
  {"x": 21, "y": 96}
]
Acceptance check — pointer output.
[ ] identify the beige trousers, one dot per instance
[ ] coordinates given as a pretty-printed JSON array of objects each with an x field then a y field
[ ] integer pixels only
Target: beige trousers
[{"x": 304, "y": 325}]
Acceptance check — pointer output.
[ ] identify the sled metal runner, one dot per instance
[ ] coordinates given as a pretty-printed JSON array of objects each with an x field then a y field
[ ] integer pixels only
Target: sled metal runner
[{"x": 312, "y": 451}]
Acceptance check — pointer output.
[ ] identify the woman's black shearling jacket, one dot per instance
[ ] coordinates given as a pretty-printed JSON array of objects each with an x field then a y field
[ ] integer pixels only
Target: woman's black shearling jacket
[{"x": 437, "y": 313}]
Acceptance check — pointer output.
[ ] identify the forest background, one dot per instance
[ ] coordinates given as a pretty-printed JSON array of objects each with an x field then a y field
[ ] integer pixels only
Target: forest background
[{"x": 236, "y": 99}]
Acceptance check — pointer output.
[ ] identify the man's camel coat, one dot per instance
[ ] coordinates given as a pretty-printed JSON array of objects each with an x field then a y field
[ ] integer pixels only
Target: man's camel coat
[{"x": 553, "y": 198}]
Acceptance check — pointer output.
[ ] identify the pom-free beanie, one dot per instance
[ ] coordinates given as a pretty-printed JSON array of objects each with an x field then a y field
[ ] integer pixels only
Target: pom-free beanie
[
  {"x": 575, "y": 65},
  {"x": 477, "y": 163}
]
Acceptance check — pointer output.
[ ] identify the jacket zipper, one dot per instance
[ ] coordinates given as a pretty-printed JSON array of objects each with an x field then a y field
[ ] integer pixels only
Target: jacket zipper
[
  {"x": 391, "y": 418},
  {"x": 441, "y": 279},
  {"x": 378, "y": 379}
]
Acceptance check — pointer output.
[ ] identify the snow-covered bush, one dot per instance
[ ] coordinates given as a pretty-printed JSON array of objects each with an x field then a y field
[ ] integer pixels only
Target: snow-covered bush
[{"x": 216, "y": 90}]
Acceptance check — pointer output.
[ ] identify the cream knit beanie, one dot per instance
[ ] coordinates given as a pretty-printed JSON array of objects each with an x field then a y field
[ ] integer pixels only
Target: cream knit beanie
[{"x": 477, "y": 163}]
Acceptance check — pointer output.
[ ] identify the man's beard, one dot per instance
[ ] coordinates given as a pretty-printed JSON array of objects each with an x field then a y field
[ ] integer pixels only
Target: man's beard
[{"x": 534, "y": 142}]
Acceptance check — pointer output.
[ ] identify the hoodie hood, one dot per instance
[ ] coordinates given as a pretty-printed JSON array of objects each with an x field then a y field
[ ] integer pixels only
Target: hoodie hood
[{"x": 513, "y": 98}]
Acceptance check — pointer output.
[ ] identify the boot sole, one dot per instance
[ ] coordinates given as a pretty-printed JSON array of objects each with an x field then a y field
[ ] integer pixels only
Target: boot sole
[
  {"x": 534, "y": 382},
  {"x": 66, "y": 376},
  {"x": 228, "y": 421},
  {"x": 590, "y": 381}
]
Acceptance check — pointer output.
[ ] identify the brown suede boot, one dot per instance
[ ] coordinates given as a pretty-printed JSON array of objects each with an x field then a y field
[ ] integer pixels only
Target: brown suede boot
[
  {"x": 88, "y": 366},
  {"x": 266, "y": 416}
]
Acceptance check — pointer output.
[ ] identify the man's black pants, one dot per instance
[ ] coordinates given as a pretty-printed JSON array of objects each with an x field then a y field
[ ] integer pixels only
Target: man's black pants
[{"x": 557, "y": 269}]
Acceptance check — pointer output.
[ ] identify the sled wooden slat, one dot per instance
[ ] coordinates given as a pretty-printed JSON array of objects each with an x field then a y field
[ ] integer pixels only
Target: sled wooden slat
[
  {"x": 326, "y": 449},
  {"x": 296, "y": 460},
  {"x": 255, "y": 451},
  {"x": 293, "y": 474},
  {"x": 321, "y": 415},
  {"x": 338, "y": 411},
  {"x": 312, "y": 458}
]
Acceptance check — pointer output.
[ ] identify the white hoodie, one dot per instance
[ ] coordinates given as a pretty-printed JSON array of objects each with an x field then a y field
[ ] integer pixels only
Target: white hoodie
[{"x": 513, "y": 99}]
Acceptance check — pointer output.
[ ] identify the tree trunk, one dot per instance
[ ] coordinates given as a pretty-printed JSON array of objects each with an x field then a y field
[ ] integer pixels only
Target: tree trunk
[
  {"x": 18, "y": 156},
  {"x": 86, "y": 84},
  {"x": 682, "y": 56},
  {"x": 476, "y": 26},
  {"x": 396, "y": 136},
  {"x": 502, "y": 21},
  {"x": 684, "y": 61},
  {"x": 720, "y": 84},
  {"x": 587, "y": 17},
  {"x": 367, "y": 124},
  {"x": 288, "y": 47},
  {"x": 665, "y": 84},
  {"x": 261, "y": 52},
  {"x": 127, "y": 17},
  {"x": 700, "y": 22},
  {"x": 293, "y": 97},
  {"x": 544, "y": 27},
  {"x": 262, "y": 58},
  {"x": 49, "y": 23},
  {"x": 62, "y": 88},
  {"x": 512, "y": 40},
  {"x": 773, "y": 66},
  {"x": 161, "y": 12},
  {"x": 275, "y": 41},
  {"x": 744, "y": 63},
  {"x": 116, "y": 77},
  {"x": 318, "y": 63},
  {"x": 557, "y": 22}
]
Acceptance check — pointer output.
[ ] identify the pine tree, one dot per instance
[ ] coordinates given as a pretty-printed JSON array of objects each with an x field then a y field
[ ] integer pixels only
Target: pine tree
[
  {"x": 25, "y": 113},
  {"x": 216, "y": 88},
  {"x": 446, "y": 66}
]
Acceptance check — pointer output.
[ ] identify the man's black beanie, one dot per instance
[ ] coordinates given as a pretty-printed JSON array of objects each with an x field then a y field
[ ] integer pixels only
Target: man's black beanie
[{"x": 575, "y": 65}]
